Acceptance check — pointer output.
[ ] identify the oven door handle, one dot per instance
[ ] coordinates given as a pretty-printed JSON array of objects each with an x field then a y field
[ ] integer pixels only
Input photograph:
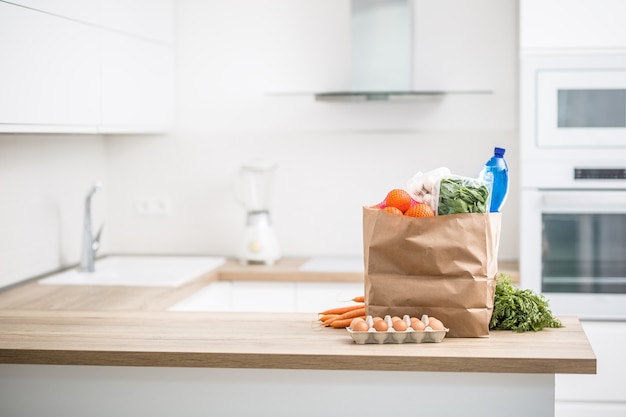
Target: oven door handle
[{"x": 584, "y": 201}]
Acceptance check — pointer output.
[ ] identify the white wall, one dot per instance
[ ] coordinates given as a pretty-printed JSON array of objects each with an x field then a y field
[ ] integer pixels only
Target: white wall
[
  {"x": 333, "y": 157},
  {"x": 43, "y": 182}
]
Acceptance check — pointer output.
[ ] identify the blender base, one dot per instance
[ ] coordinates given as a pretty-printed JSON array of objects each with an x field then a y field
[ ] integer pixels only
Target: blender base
[{"x": 259, "y": 246}]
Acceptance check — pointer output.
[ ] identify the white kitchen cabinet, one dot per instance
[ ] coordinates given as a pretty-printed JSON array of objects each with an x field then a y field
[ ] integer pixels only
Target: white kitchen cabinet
[
  {"x": 48, "y": 76},
  {"x": 148, "y": 19},
  {"x": 603, "y": 394},
  {"x": 72, "y": 66},
  {"x": 572, "y": 24},
  {"x": 80, "y": 10},
  {"x": 137, "y": 85}
]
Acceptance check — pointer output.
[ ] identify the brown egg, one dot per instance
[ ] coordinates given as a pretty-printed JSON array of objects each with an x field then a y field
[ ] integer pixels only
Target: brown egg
[
  {"x": 355, "y": 321},
  {"x": 395, "y": 318},
  {"x": 417, "y": 324},
  {"x": 360, "y": 326},
  {"x": 399, "y": 325},
  {"x": 435, "y": 324},
  {"x": 381, "y": 326},
  {"x": 375, "y": 319}
]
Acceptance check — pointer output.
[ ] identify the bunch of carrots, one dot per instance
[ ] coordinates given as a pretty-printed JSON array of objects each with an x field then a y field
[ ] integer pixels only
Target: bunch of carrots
[{"x": 341, "y": 317}]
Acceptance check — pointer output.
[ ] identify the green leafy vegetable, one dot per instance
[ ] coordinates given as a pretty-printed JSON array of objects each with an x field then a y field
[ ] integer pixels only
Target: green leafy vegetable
[
  {"x": 519, "y": 310},
  {"x": 461, "y": 195}
]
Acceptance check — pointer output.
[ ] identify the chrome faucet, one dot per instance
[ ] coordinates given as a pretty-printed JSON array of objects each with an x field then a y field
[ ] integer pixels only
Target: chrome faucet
[{"x": 90, "y": 243}]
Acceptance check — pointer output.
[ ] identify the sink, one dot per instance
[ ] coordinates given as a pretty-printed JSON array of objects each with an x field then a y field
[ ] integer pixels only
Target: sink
[{"x": 142, "y": 271}]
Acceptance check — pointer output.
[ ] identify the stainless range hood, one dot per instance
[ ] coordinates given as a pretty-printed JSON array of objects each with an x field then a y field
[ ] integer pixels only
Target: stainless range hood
[{"x": 382, "y": 54}]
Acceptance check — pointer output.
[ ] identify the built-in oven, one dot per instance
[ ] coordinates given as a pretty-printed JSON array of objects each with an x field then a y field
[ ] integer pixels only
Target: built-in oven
[
  {"x": 573, "y": 182},
  {"x": 574, "y": 250}
]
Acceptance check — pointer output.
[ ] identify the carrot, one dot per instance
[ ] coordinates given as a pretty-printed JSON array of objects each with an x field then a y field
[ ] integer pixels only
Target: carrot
[
  {"x": 341, "y": 310},
  {"x": 326, "y": 317},
  {"x": 347, "y": 315},
  {"x": 359, "y": 299},
  {"x": 340, "y": 324}
]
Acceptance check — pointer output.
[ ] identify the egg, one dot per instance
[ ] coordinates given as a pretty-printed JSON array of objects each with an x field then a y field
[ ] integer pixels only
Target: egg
[
  {"x": 399, "y": 325},
  {"x": 395, "y": 318},
  {"x": 359, "y": 326},
  {"x": 355, "y": 322},
  {"x": 417, "y": 324},
  {"x": 381, "y": 326},
  {"x": 435, "y": 324}
]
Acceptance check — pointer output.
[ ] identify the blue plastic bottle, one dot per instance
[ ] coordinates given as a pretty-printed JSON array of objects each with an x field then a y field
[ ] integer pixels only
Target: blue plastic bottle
[{"x": 496, "y": 172}]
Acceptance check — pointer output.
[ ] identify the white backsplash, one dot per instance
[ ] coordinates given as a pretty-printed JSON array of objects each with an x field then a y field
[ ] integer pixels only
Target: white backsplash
[{"x": 322, "y": 182}]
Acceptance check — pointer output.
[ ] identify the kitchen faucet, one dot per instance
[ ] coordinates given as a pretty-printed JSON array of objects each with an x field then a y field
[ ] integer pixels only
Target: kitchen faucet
[{"x": 90, "y": 243}]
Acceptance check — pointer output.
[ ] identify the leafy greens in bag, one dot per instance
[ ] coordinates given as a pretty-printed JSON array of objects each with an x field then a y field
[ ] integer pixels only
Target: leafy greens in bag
[
  {"x": 450, "y": 194},
  {"x": 462, "y": 195}
]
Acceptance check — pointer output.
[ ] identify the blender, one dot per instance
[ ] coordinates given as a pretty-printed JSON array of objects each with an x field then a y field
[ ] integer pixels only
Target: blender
[{"x": 254, "y": 187}]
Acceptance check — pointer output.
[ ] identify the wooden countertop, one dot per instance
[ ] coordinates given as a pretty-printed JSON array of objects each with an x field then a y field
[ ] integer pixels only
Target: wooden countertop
[
  {"x": 128, "y": 326},
  {"x": 271, "y": 341}
]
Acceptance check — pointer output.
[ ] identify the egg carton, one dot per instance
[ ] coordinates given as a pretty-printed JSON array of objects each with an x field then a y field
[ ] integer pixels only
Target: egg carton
[{"x": 410, "y": 335}]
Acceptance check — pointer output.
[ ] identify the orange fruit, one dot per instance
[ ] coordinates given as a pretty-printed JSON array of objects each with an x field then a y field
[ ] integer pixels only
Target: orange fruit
[
  {"x": 399, "y": 199},
  {"x": 420, "y": 210},
  {"x": 393, "y": 210}
]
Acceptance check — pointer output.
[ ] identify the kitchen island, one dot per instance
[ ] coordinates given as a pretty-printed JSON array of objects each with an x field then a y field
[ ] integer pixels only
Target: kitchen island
[{"x": 75, "y": 362}]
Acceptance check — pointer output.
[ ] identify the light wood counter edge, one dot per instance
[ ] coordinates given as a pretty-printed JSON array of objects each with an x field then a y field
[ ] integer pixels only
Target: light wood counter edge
[{"x": 271, "y": 341}]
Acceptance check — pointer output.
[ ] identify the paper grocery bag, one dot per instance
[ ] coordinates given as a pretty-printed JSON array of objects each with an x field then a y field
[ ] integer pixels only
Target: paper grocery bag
[{"x": 443, "y": 266}]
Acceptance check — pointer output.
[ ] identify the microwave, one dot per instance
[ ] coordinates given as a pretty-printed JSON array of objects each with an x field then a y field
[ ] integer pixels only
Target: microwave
[{"x": 579, "y": 101}]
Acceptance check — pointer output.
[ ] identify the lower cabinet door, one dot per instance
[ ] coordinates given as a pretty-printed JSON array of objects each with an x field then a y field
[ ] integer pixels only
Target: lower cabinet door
[
  {"x": 586, "y": 409},
  {"x": 603, "y": 394}
]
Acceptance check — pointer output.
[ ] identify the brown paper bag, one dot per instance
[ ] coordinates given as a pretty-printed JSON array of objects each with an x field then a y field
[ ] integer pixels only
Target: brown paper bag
[{"x": 442, "y": 266}]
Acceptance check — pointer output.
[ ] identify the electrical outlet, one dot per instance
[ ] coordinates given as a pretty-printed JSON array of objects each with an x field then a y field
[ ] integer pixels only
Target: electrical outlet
[{"x": 153, "y": 206}]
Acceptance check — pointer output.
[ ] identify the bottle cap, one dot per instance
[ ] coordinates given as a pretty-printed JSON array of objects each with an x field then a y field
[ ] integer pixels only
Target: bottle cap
[{"x": 499, "y": 152}]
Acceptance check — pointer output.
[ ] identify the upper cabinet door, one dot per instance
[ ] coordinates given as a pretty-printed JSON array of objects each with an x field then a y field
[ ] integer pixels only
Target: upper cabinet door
[
  {"x": 87, "y": 66},
  {"x": 149, "y": 19},
  {"x": 137, "y": 85},
  {"x": 49, "y": 73},
  {"x": 137, "y": 70},
  {"x": 572, "y": 24},
  {"x": 86, "y": 11}
]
